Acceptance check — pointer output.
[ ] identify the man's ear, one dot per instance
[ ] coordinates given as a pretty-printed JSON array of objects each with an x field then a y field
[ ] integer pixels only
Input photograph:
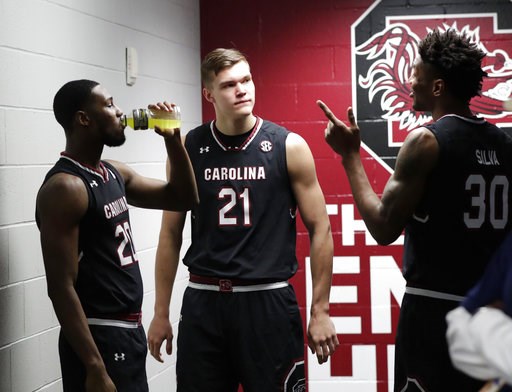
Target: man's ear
[
  {"x": 82, "y": 118},
  {"x": 208, "y": 95},
  {"x": 438, "y": 87}
]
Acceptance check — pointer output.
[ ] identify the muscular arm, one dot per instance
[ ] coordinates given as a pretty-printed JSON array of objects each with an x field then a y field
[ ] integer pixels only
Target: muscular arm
[
  {"x": 385, "y": 216},
  {"x": 167, "y": 260},
  {"x": 61, "y": 204},
  {"x": 322, "y": 337},
  {"x": 179, "y": 193}
]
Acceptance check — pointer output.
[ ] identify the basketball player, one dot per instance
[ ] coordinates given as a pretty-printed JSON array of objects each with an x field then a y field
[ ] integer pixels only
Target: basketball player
[
  {"x": 91, "y": 265},
  {"x": 240, "y": 323},
  {"x": 450, "y": 191}
]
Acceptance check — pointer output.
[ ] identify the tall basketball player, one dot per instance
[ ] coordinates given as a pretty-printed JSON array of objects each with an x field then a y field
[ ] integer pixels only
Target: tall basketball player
[{"x": 240, "y": 323}]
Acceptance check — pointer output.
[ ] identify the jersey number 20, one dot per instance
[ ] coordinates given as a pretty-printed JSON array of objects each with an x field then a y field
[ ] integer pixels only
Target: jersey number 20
[{"x": 125, "y": 250}]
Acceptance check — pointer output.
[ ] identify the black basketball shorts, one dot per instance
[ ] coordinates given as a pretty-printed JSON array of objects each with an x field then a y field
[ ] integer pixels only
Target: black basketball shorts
[
  {"x": 124, "y": 352},
  {"x": 254, "y": 339},
  {"x": 422, "y": 361}
]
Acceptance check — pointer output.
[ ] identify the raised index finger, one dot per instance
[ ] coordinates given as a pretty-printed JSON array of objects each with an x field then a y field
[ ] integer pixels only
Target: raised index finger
[{"x": 328, "y": 113}]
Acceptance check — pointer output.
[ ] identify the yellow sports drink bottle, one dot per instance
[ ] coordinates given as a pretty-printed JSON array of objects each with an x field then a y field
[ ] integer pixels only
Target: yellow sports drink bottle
[{"x": 140, "y": 119}]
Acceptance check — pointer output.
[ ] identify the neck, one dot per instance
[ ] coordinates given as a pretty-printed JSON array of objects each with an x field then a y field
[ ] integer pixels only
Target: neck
[
  {"x": 86, "y": 156},
  {"x": 235, "y": 126},
  {"x": 460, "y": 109}
]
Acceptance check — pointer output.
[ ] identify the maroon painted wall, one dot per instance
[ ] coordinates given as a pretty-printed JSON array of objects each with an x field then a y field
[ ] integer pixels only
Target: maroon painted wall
[{"x": 304, "y": 50}]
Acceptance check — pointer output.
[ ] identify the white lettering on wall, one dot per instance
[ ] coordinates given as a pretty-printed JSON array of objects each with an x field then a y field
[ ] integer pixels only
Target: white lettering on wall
[
  {"x": 385, "y": 284},
  {"x": 385, "y": 280}
]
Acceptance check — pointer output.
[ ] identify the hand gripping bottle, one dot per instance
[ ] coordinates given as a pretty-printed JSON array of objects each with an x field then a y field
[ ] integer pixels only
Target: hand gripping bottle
[{"x": 141, "y": 119}]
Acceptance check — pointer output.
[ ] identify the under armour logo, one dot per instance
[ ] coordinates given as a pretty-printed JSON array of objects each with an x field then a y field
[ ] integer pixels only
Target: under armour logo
[
  {"x": 93, "y": 183},
  {"x": 266, "y": 146},
  {"x": 204, "y": 149},
  {"x": 119, "y": 357}
]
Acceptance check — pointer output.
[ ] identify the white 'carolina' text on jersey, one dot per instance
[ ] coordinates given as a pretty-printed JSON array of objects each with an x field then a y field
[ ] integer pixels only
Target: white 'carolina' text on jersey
[{"x": 234, "y": 173}]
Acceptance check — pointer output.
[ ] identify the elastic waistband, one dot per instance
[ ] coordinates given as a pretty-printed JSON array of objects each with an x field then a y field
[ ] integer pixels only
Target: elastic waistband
[
  {"x": 433, "y": 294},
  {"x": 129, "y": 320},
  {"x": 233, "y": 285}
]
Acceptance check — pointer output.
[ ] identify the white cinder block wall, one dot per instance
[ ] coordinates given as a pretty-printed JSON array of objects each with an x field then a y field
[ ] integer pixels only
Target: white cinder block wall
[{"x": 43, "y": 44}]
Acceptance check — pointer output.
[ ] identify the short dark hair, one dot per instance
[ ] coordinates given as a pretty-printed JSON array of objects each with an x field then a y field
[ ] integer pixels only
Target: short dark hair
[
  {"x": 217, "y": 60},
  {"x": 71, "y": 98},
  {"x": 457, "y": 60}
]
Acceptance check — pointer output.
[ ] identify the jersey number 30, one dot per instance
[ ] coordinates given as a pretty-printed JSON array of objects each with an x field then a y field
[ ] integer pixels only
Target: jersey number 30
[{"x": 490, "y": 199}]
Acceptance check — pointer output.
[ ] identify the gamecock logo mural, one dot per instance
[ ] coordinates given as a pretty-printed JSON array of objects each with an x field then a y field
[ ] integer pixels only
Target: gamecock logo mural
[{"x": 384, "y": 64}]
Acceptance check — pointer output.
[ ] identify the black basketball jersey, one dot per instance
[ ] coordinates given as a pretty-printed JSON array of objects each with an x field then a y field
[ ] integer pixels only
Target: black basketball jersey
[
  {"x": 109, "y": 282},
  {"x": 244, "y": 225},
  {"x": 465, "y": 212}
]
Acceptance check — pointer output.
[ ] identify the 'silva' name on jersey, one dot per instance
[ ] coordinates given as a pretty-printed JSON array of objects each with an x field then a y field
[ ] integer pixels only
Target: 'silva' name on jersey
[
  {"x": 487, "y": 157},
  {"x": 234, "y": 173},
  {"x": 115, "y": 208}
]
